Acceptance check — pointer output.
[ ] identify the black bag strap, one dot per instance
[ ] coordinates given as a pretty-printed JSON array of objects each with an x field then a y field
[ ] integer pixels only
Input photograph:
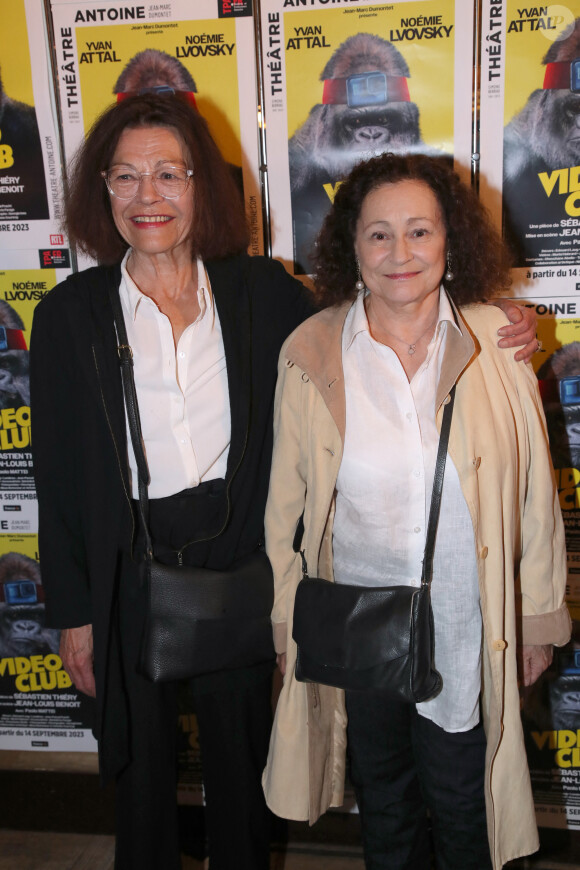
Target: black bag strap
[
  {"x": 130, "y": 392},
  {"x": 427, "y": 572}
]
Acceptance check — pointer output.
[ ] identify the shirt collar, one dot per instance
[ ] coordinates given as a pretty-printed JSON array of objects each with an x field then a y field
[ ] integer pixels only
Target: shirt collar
[
  {"x": 132, "y": 297},
  {"x": 358, "y": 323}
]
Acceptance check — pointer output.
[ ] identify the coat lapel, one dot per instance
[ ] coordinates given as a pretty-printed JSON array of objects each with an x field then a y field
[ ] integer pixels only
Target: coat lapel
[{"x": 316, "y": 348}]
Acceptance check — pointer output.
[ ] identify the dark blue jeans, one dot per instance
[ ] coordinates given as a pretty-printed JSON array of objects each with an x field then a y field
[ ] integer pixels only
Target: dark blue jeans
[{"x": 402, "y": 765}]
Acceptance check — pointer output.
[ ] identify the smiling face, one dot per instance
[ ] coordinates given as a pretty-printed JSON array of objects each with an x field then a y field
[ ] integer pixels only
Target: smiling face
[
  {"x": 400, "y": 242},
  {"x": 149, "y": 223}
]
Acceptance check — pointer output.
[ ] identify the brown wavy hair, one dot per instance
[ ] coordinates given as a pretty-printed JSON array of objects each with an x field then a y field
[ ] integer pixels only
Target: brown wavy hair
[
  {"x": 480, "y": 262},
  {"x": 219, "y": 227}
]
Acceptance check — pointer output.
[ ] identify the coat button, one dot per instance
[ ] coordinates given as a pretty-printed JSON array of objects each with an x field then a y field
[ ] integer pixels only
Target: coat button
[
  {"x": 305, "y": 377},
  {"x": 288, "y": 363},
  {"x": 477, "y": 462},
  {"x": 483, "y": 553},
  {"x": 499, "y": 645}
]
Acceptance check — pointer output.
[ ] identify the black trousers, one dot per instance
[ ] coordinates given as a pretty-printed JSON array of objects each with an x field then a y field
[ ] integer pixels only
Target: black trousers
[
  {"x": 234, "y": 717},
  {"x": 403, "y": 765}
]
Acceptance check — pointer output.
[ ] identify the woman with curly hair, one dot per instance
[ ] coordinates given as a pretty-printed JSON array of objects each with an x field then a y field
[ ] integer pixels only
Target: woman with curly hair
[{"x": 405, "y": 259}]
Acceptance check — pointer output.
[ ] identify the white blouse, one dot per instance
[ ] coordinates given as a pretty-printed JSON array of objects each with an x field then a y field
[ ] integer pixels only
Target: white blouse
[
  {"x": 383, "y": 499},
  {"x": 182, "y": 392}
]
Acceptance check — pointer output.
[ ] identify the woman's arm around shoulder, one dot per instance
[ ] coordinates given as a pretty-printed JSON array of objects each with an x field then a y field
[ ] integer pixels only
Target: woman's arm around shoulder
[{"x": 520, "y": 332}]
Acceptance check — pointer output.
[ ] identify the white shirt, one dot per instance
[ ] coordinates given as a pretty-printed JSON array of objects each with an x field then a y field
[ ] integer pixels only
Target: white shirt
[
  {"x": 383, "y": 499},
  {"x": 182, "y": 392}
]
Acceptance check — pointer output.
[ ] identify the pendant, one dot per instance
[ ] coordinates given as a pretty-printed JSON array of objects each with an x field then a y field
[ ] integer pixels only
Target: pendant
[{"x": 412, "y": 348}]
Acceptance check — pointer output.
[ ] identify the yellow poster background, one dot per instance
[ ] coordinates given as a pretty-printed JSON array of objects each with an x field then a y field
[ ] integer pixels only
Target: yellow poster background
[
  {"x": 431, "y": 61},
  {"x": 27, "y": 544},
  {"x": 17, "y": 284},
  {"x": 216, "y": 78},
  {"x": 15, "y": 53},
  {"x": 525, "y": 50}
]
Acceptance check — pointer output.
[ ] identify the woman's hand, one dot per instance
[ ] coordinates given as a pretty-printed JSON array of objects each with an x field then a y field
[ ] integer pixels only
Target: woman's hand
[
  {"x": 521, "y": 329},
  {"x": 76, "y": 652},
  {"x": 281, "y": 662},
  {"x": 533, "y": 661}
]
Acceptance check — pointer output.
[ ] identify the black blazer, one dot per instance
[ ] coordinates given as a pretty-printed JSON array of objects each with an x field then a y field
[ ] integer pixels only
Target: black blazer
[{"x": 79, "y": 435}]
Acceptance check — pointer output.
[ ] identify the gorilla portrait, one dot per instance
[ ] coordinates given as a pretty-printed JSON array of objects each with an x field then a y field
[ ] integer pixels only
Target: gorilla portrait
[
  {"x": 338, "y": 134},
  {"x": 365, "y": 110},
  {"x": 22, "y": 625},
  {"x": 14, "y": 384},
  {"x": 544, "y": 136},
  {"x": 559, "y": 380},
  {"x": 21, "y": 158},
  {"x": 152, "y": 68}
]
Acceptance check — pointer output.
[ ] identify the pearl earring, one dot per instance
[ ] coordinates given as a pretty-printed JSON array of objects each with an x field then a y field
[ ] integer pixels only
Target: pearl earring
[
  {"x": 360, "y": 284},
  {"x": 449, "y": 276}
]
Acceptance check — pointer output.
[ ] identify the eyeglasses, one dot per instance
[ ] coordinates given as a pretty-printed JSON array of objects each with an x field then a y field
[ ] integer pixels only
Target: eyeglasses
[{"x": 170, "y": 182}]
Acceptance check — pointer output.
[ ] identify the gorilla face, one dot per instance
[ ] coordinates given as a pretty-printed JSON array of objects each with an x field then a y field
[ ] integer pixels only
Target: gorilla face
[
  {"x": 14, "y": 383},
  {"x": 26, "y": 630},
  {"x": 565, "y": 702},
  {"x": 558, "y": 129},
  {"x": 393, "y": 126},
  {"x": 345, "y": 135},
  {"x": 22, "y": 631}
]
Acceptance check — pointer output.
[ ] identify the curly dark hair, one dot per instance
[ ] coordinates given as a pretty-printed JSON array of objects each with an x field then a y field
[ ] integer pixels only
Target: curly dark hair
[
  {"x": 480, "y": 261},
  {"x": 219, "y": 227}
]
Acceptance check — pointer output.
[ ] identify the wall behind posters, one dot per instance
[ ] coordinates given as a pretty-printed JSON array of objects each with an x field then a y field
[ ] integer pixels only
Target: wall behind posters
[{"x": 530, "y": 180}]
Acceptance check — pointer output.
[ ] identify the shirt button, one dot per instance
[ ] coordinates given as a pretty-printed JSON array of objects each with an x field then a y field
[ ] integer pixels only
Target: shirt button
[
  {"x": 499, "y": 645},
  {"x": 477, "y": 462},
  {"x": 181, "y": 354},
  {"x": 409, "y": 416},
  {"x": 417, "y": 529},
  {"x": 417, "y": 473},
  {"x": 483, "y": 553}
]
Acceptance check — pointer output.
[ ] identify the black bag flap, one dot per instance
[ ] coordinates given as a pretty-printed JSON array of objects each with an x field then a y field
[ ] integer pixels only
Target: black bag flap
[
  {"x": 356, "y": 627},
  {"x": 244, "y": 591}
]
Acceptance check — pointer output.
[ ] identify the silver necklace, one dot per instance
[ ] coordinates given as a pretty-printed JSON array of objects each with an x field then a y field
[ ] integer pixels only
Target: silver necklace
[{"x": 411, "y": 348}]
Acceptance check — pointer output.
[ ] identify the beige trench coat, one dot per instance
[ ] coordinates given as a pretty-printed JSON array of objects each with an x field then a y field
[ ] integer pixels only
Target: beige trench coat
[{"x": 498, "y": 444}]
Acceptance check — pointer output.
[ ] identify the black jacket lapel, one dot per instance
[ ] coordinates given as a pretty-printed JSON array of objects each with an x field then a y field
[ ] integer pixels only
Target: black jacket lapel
[
  {"x": 233, "y": 307},
  {"x": 106, "y": 360}
]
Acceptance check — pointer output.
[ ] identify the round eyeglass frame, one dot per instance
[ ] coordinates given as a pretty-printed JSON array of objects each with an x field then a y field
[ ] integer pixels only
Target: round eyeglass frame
[{"x": 142, "y": 175}]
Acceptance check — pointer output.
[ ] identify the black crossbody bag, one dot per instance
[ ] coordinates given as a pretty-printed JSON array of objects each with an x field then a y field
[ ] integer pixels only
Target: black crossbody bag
[
  {"x": 361, "y": 637},
  {"x": 199, "y": 620}
]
